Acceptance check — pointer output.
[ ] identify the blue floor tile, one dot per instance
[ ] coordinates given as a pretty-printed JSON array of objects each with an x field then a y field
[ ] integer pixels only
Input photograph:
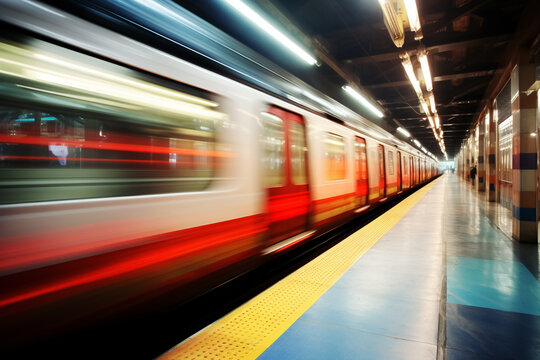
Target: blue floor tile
[
  {"x": 455, "y": 354},
  {"x": 378, "y": 314},
  {"x": 491, "y": 334},
  {"x": 500, "y": 285},
  {"x": 480, "y": 250},
  {"x": 307, "y": 340},
  {"x": 400, "y": 282}
]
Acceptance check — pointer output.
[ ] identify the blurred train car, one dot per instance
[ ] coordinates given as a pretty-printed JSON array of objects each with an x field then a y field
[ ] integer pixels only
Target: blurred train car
[{"x": 127, "y": 173}]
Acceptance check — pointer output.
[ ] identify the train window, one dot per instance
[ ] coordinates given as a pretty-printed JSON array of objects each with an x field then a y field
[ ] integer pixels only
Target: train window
[
  {"x": 390, "y": 163},
  {"x": 85, "y": 128},
  {"x": 274, "y": 150},
  {"x": 335, "y": 157},
  {"x": 298, "y": 150}
]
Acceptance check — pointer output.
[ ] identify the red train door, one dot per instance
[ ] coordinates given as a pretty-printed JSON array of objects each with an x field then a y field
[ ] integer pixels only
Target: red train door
[
  {"x": 398, "y": 174},
  {"x": 411, "y": 171},
  {"x": 361, "y": 170},
  {"x": 382, "y": 172},
  {"x": 285, "y": 174}
]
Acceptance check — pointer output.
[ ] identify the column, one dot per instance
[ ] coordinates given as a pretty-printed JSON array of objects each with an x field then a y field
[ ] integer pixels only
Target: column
[
  {"x": 481, "y": 155},
  {"x": 524, "y": 156},
  {"x": 468, "y": 165},
  {"x": 491, "y": 121}
]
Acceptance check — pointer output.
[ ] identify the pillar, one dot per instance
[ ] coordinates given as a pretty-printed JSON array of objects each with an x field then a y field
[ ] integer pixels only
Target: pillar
[
  {"x": 491, "y": 126},
  {"x": 524, "y": 155},
  {"x": 481, "y": 155},
  {"x": 468, "y": 165}
]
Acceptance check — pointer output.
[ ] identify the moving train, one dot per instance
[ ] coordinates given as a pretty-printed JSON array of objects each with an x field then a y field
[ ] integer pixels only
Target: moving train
[{"x": 127, "y": 172}]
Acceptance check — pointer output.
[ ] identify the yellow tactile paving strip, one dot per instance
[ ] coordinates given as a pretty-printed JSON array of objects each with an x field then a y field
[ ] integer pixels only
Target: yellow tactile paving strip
[{"x": 248, "y": 331}]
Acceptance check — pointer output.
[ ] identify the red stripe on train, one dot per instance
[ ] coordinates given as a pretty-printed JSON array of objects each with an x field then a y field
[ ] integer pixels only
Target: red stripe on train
[
  {"x": 164, "y": 248},
  {"x": 100, "y": 145},
  {"x": 288, "y": 206}
]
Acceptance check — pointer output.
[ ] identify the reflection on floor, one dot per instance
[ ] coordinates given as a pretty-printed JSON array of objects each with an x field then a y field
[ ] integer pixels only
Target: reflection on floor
[{"x": 493, "y": 290}]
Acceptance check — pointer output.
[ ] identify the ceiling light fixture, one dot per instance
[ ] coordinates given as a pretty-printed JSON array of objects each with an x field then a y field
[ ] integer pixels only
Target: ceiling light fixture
[
  {"x": 258, "y": 20},
  {"x": 432, "y": 103},
  {"x": 417, "y": 143},
  {"x": 437, "y": 121},
  {"x": 404, "y": 132},
  {"x": 393, "y": 22},
  {"x": 407, "y": 65},
  {"x": 430, "y": 121},
  {"x": 362, "y": 100},
  {"x": 422, "y": 57},
  {"x": 412, "y": 14},
  {"x": 424, "y": 107}
]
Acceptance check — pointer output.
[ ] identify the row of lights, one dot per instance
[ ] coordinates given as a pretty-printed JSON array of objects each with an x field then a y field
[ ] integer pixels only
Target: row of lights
[
  {"x": 258, "y": 20},
  {"x": 416, "y": 142},
  {"x": 394, "y": 25},
  {"x": 427, "y": 96}
]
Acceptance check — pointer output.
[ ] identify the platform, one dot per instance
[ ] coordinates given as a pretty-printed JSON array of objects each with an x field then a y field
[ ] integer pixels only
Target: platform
[{"x": 432, "y": 278}]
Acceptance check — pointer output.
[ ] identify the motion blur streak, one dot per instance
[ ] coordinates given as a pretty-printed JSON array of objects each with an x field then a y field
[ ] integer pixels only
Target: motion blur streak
[
  {"x": 21, "y": 62},
  {"x": 34, "y": 140},
  {"x": 49, "y": 158},
  {"x": 287, "y": 206},
  {"x": 169, "y": 247}
]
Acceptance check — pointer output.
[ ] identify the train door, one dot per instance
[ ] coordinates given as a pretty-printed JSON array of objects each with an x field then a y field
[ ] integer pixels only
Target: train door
[
  {"x": 382, "y": 172},
  {"x": 418, "y": 180},
  {"x": 285, "y": 173},
  {"x": 411, "y": 172},
  {"x": 398, "y": 171},
  {"x": 361, "y": 172},
  {"x": 404, "y": 173}
]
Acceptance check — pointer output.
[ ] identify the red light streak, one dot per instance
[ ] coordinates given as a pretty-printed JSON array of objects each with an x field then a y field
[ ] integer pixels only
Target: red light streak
[
  {"x": 16, "y": 157},
  {"x": 100, "y": 145},
  {"x": 287, "y": 206},
  {"x": 172, "y": 246}
]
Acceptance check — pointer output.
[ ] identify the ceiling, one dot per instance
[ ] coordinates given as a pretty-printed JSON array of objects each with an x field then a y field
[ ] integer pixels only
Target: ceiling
[{"x": 467, "y": 43}]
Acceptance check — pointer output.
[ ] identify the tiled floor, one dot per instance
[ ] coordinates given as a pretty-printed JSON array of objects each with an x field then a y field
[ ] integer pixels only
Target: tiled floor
[
  {"x": 493, "y": 293},
  {"x": 394, "y": 303}
]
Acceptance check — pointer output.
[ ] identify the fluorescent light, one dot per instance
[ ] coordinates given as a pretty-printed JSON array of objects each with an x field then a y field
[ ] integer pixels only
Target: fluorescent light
[
  {"x": 432, "y": 103},
  {"x": 393, "y": 22},
  {"x": 533, "y": 134},
  {"x": 407, "y": 65},
  {"x": 258, "y": 20},
  {"x": 424, "y": 107},
  {"x": 430, "y": 121},
  {"x": 412, "y": 14},
  {"x": 362, "y": 100},
  {"x": 404, "y": 132},
  {"x": 435, "y": 133},
  {"x": 417, "y": 143},
  {"x": 425, "y": 69},
  {"x": 424, "y": 150},
  {"x": 437, "y": 121}
]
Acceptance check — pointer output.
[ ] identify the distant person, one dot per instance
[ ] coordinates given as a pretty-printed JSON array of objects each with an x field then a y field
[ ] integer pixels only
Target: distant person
[{"x": 473, "y": 174}]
